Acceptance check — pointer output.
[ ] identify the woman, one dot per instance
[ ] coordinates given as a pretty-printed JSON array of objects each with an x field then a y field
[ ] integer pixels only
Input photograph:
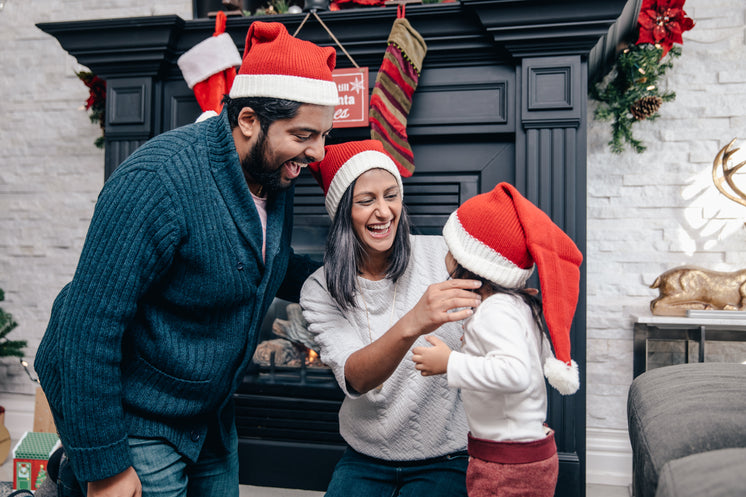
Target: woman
[{"x": 379, "y": 291}]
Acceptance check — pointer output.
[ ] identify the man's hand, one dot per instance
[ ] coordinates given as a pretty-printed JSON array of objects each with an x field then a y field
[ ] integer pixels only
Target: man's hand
[
  {"x": 125, "y": 484},
  {"x": 431, "y": 360}
]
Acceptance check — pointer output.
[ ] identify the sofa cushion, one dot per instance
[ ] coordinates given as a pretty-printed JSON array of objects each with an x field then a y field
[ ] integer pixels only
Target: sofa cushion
[
  {"x": 676, "y": 411},
  {"x": 718, "y": 473}
]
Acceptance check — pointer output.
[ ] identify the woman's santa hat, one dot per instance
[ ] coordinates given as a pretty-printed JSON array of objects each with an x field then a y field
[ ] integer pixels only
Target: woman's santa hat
[
  {"x": 343, "y": 163},
  {"x": 499, "y": 236},
  {"x": 209, "y": 68},
  {"x": 277, "y": 65}
]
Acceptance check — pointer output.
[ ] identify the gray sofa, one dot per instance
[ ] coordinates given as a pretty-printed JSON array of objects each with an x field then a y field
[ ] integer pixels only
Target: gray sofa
[{"x": 687, "y": 427}]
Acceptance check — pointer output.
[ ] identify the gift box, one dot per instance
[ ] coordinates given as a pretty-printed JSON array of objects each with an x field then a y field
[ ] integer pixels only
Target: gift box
[{"x": 30, "y": 457}]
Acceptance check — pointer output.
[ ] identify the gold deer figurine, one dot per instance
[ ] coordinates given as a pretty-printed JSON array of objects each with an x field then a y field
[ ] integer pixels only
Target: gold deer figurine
[
  {"x": 690, "y": 287},
  {"x": 721, "y": 164}
]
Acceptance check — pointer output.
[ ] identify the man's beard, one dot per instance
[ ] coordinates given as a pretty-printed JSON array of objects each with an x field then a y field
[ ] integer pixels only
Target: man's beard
[{"x": 258, "y": 168}]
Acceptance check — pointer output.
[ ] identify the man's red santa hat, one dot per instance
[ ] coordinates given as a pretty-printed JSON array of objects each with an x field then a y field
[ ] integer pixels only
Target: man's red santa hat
[
  {"x": 500, "y": 236},
  {"x": 277, "y": 65},
  {"x": 209, "y": 68}
]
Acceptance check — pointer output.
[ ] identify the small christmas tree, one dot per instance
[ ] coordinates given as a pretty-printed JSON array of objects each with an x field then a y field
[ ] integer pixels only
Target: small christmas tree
[{"x": 8, "y": 347}]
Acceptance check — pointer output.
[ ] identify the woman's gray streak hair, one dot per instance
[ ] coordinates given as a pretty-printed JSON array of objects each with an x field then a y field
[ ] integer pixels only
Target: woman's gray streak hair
[{"x": 345, "y": 253}]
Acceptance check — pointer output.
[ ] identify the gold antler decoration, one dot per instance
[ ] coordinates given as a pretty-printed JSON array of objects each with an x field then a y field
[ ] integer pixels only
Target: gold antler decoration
[{"x": 721, "y": 163}]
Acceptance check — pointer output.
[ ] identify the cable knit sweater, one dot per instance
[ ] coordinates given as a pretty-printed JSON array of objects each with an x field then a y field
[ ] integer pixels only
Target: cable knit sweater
[
  {"x": 412, "y": 417},
  {"x": 499, "y": 370},
  {"x": 154, "y": 332}
]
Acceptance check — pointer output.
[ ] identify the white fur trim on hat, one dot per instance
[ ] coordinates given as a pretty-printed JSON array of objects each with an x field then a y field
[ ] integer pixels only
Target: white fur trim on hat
[
  {"x": 480, "y": 259},
  {"x": 206, "y": 115},
  {"x": 354, "y": 167},
  {"x": 295, "y": 88},
  {"x": 564, "y": 377},
  {"x": 208, "y": 57}
]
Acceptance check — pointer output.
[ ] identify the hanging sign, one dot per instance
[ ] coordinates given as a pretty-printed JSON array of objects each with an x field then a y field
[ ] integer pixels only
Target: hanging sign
[{"x": 352, "y": 86}]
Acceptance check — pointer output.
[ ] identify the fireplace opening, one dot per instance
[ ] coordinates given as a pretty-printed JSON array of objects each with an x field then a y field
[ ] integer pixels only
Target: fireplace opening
[{"x": 287, "y": 408}]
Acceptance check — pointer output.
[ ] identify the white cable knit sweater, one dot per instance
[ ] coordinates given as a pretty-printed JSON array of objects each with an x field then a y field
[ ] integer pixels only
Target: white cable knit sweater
[
  {"x": 412, "y": 417},
  {"x": 499, "y": 371}
]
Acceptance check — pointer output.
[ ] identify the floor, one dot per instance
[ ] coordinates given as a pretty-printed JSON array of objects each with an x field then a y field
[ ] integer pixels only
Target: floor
[
  {"x": 250, "y": 491},
  {"x": 246, "y": 491}
]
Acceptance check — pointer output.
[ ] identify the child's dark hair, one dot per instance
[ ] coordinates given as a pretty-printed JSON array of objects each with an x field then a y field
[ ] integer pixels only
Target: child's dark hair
[{"x": 533, "y": 301}]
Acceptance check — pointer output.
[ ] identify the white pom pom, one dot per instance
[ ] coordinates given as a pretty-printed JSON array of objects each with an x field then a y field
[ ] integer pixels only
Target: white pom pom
[{"x": 564, "y": 378}]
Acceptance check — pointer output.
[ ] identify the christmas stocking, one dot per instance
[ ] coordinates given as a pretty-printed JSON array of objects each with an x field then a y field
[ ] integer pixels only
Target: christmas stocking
[
  {"x": 396, "y": 82},
  {"x": 209, "y": 68}
]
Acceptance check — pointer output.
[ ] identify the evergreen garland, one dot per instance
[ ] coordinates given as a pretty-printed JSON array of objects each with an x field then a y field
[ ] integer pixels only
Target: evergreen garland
[
  {"x": 9, "y": 347},
  {"x": 632, "y": 92}
]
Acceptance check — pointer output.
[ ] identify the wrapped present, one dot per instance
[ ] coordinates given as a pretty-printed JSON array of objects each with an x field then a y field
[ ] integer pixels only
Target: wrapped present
[{"x": 30, "y": 457}]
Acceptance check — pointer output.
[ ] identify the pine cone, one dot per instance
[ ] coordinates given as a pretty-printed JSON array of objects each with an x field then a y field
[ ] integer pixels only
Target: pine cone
[{"x": 645, "y": 107}]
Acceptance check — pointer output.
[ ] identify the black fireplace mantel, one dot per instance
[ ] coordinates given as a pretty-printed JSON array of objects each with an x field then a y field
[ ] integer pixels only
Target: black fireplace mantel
[
  {"x": 456, "y": 33},
  {"x": 502, "y": 97}
]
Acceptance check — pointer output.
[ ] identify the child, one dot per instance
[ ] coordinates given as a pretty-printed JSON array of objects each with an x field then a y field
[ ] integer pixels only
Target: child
[{"x": 498, "y": 237}]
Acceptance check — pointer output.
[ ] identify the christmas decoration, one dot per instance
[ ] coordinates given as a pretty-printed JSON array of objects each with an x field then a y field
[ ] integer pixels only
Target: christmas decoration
[
  {"x": 273, "y": 7},
  {"x": 632, "y": 91},
  {"x": 96, "y": 102},
  {"x": 646, "y": 107},
  {"x": 209, "y": 68},
  {"x": 30, "y": 458},
  {"x": 7, "y": 324},
  {"x": 396, "y": 82},
  {"x": 351, "y": 4},
  {"x": 662, "y": 22}
]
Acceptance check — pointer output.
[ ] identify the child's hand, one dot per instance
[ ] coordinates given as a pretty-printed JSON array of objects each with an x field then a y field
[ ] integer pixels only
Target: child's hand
[{"x": 431, "y": 360}]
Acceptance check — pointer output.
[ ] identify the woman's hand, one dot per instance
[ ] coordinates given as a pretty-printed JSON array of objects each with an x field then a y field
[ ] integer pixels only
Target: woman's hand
[
  {"x": 370, "y": 366},
  {"x": 431, "y": 360},
  {"x": 125, "y": 484},
  {"x": 443, "y": 303}
]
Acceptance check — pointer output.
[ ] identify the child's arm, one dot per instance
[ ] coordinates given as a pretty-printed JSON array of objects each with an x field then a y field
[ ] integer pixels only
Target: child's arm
[{"x": 431, "y": 360}]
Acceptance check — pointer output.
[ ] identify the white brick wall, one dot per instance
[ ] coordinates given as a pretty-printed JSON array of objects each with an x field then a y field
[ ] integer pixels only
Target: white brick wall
[
  {"x": 652, "y": 211},
  {"x": 646, "y": 212},
  {"x": 50, "y": 171}
]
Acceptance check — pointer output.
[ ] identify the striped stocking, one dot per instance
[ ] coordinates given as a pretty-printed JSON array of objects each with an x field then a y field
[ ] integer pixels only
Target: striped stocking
[{"x": 396, "y": 82}]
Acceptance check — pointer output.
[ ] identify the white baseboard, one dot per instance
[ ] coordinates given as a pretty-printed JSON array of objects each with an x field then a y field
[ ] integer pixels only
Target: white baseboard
[{"x": 608, "y": 457}]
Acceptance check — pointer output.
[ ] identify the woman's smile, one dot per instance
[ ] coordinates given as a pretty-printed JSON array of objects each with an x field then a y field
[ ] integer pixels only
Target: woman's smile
[
  {"x": 380, "y": 230},
  {"x": 377, "y": 205}
]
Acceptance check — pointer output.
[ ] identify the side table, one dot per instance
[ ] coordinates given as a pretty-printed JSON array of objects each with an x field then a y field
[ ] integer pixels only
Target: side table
[{"x": 672, "y": 328}]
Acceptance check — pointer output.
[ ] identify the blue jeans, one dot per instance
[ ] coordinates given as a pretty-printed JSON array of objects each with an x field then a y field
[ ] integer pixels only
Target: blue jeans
[
  {"x": 357, "y": 475},
  {"x": 164, "y": 472}
]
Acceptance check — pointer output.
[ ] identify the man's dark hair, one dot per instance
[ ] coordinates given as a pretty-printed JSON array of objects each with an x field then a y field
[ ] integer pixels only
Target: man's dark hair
[
  {"x": 345, "y": 253},
  {"x": 268, "y": 109}
]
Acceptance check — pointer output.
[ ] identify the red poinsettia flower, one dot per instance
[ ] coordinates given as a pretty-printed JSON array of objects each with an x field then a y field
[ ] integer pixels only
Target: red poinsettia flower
[{"x": 662, "y": 22}]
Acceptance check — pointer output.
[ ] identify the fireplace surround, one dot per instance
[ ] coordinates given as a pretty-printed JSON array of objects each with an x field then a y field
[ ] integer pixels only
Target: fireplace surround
[{"x": 502, "y": 97}]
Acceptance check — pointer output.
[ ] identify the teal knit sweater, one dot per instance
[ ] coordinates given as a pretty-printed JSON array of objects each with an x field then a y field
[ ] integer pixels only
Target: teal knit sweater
[{"x": 155, "y": 331}]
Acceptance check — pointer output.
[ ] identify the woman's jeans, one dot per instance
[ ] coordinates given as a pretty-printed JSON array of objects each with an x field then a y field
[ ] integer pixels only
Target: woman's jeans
[
  {"x": 164, "y": 472},
  {"x": 357, "y": 475}
]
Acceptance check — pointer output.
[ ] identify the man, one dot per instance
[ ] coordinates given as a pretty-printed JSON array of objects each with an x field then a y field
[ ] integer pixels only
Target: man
[{"x": 188, "y": 245}]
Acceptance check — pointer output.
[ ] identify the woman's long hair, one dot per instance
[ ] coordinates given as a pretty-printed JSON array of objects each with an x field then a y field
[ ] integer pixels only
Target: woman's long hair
[{"x": 345, "y": 254}]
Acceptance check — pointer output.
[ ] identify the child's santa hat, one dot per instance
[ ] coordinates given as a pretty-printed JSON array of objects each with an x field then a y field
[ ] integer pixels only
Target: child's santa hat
[
  {"x": 343, "y": 163},
  {"x": 277, "y": 65},
  {"x": 500, "y": 235},
  {"x": 209, "y": 68}
]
